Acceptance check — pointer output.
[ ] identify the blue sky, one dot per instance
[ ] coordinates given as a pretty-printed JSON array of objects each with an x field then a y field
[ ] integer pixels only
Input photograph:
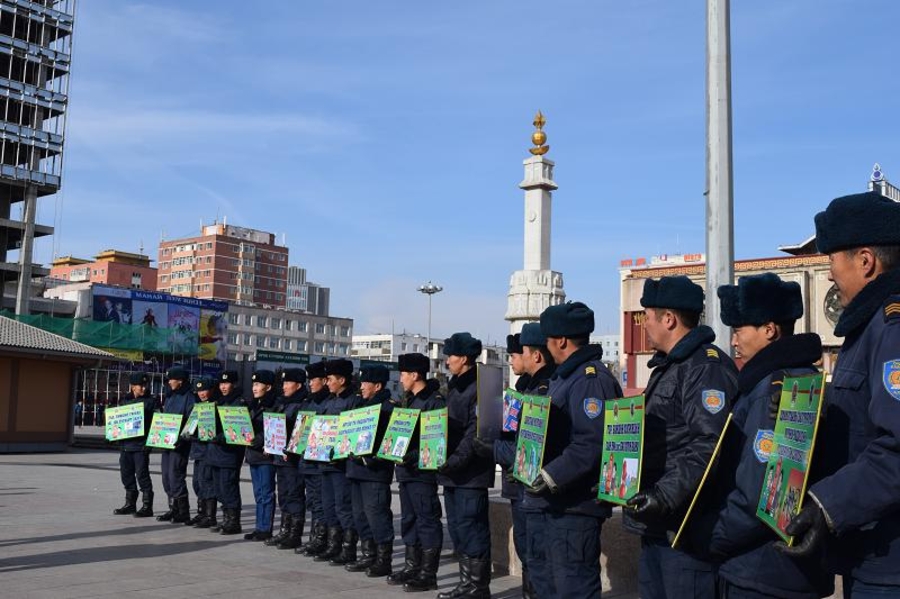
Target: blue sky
[{"x": 386, "y": 139}]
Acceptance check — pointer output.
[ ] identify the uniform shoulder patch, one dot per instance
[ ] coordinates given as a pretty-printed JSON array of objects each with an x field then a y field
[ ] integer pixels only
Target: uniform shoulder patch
[
  {"x": 892, "y": 309},
  {"x": 713, "y": 354},
  {"x": 763, "y": 444},
  {"x": 590, "y": 371},
  {"x": 713, "y": 400},
  {"x": 891, "y": 378},
  {"x": 593, "y": 407}
]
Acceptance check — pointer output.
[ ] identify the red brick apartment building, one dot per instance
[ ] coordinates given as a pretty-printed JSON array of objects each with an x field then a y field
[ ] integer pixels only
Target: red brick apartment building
[{"x": 110, "y": 267}]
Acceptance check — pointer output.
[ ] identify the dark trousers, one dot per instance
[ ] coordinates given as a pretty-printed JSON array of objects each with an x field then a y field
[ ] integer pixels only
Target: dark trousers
[
  {"x": 666, "y": 573},
  {"x": 420, "y": 515},
  {"x": 857, "y": 589},
  {"x": 203, "y": 481},
  {"x": 564, "y": 555},
  {"x": 372, "y": 511},
  {"x": 520, "y": 526},
  {"x": 313, "y": 484},
  {"x": 337, "y": 500},
  {"x": 174, "y": 474},
  {"x": 134, "y": 468},
  {"x": 726, "y": 590},
  {"x": 263, "y": 478},
  {"x": 467, "y": 521},
  {"x": 227, "y": 486},
  {"x": 290, "y": 491}
]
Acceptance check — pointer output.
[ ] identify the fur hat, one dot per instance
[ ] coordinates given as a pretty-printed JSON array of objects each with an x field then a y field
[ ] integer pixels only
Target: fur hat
[
  {"x": 462, "y": 344},
  {"x": 139, "y": 378},
  {"x": 759, "y": 299},
  {"x": 204, "y": 384},
  {"x": 413, "y": 363},
  {"x": 293, "y": 375},
  {"x": 532, "y": 336},
  {"x": 513, "y": 344},
  {"x": 266, "y": 377},
  {"x": 374, "y": 374},
  {"x": 316, "y": 370},
  {"x": 674, "y": 293},
  {"x": 572, "y": 319},
  {"x": 339, "y": 367},
  {"x": 858, "y": 220},
  {"x": 177, "y": 373},
  {"x": 229, "y": 376}
]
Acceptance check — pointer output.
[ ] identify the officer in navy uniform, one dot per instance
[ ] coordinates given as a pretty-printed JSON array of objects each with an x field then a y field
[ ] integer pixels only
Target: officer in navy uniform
[
  {"x": 134, "y": 459},
  {"x": 179, "y": 400},
  {"x": 204, "y": 391},
  {"x": 225, "y": 461},
  {"x": 262, "y": 467},
  {"x": 762, "y": 310},
  {"x": 857, "y": 503},
  {"x": 370, "y": 482},
  {"x": 420, "y": 508},
  {"x": 288, "y": 479},
  {"x": 312, "y": 474},
  {"x": 563, "y": 521},
  {"x": 530, "y": 360},
  {"x": 688, "y": 399},
  {"x": 466, "y": 476}
]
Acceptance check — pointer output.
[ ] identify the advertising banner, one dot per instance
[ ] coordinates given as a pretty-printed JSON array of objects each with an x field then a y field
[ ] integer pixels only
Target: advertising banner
[
  {"x": 512, "y": 410},
  {"x": 274, "y": 433},
  {"x": 532, "y": 436},
  {"x": 300, "y": 434},
  {"x": 399, "y": 431},
  {"x": 236, "y": 425},
  {"x": 623, "y": 442},
  {"x": 432, "y": 439},
  {"x": 164, "y": 430},
  {"x": 322, "y": 438},
  {"x": 356, "y": 432},
  {"x": 125, "y": 422}
]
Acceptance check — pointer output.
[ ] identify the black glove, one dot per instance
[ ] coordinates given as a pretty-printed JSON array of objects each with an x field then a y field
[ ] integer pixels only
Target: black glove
[
  {"x": 357, "y": 459},
  {"x": 809, "y": 529},
  {"x": 449, "y": 467},
  {"x": 510, "y": 478},
  {"x": 484, "y": 449},
  {"x": 539, "y": 486},
  {"x": 411, "y": 459},
  {"x": 774, "y": 404},
  {"x": 595, "y": 490},
  {"x": 647, "y": 506}
]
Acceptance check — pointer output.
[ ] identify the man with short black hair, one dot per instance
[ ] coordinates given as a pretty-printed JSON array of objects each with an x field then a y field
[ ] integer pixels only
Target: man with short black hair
[
  {"x": 202, "y": 479},
  {"x": 312, "y": 474},
  {"x": 134, "y": 459},
  {"x": 179, "y": 400},
  {"x": 225, "y": 461}
]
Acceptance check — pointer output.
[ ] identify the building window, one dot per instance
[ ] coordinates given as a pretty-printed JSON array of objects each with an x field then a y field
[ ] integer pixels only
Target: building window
[
  {"x": 287, "y": 345},
  {"x": 232, "y": 339},
  {"x": 301, "y": 326},
  {"x": 288, "y": 325},
  {"x": 232, "y": 319},
  {"x": 248, "y": 339},
  {"x": 320, "y": 347},
  {"x": 262, "y": 321},
  {"x": 276, "y": 323},
  {"x": 301, "y": 345},
  {"x": 403, "y": 347},
  {"x": 248, "y": 320},
  {"x": 260, "y": 341},
  {"x": 345, "y": 331},
  {"x": 320, "y": 329},
  {"x": 274, "y": 342}
]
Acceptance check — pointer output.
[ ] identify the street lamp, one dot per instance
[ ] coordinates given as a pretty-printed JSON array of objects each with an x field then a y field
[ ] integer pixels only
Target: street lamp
[{"x": 429, "y": 289}]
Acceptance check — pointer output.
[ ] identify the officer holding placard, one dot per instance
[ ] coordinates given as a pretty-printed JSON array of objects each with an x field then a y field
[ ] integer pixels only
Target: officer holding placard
[
  {"x": 134, "y": 459},
  {"x": 225, "y": 462},
  {"x": 179, "y": 400},
  {"x": 204, "y": 389},
  {"x": 312, "y": 474}
]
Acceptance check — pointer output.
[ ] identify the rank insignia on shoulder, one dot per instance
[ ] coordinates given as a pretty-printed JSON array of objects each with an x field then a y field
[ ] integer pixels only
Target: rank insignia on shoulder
[
  {"x": 590, "y": 371},
  {"x": 712, "y": 354},
  {"x": 713, "y": 400},
  {"x": 891, "y": 378},
  {"x": 762, "y": 445},
  {"x": 593, "y": 407},
  {"x": 892, "y": 310}
]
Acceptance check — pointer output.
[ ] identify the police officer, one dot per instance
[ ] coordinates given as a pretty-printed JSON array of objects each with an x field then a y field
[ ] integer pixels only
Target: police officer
[
  {"x": 688, "y": 398},
  {"x": 312, "y": 474},
  {"x": 204, "y": 390},
  {"x": 856, "y": 503},
  {"x": 288, "y": 479},
  {"x": 179, "y": 400},
  {"x": 225, "y": 462},
  {"x": 134, "y": 459},
  {"x": 262, "y": 469},
  {"x": 563, "y": 521},
  {"x": 420, "y": 508},
  {"x": 370, "y": 483},
  {"x": 762, "y": 310}
]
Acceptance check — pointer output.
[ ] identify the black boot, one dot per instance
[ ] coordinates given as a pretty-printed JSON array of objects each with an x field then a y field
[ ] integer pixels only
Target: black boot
[
  {"x": 231, "y": 524},
  {"x": 130, "y": 504},
  {"x": 294, "y": 540},
  {"x": 348, "y": 549},
  {"x": 411, "y": 566},
  {"x": 333, "y": 548},
  {"x": 182, "y": 510},
  {"x": 146, "y": 505},
  {"x": 464, "y": 583},
  {"x": 283, "y": 531},
  {"x": 427, "y": 578},
  {"x": 368, "y": 557},
  {"x": 167, "y": 517},
  {"x": 528, "y": 591},
  {"x": 201, "y": 513},
  {"x": 317, "y": 542},
  {"x": 382, "y": 564},
  {"x": 479, "y": 578},
  {"x": 209, "y": 514}
]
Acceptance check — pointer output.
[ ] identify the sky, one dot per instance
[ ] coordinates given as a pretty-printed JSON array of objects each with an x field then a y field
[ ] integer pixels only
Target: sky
[{"x": 385, "y": 140}]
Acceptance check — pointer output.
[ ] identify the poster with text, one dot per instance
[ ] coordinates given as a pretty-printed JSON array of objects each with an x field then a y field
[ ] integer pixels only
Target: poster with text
[
  {"x": 512, "y": 410},
  {"x": 184, "y": 327},
  {"x": 432, "y": 439},
  {"x": 532, "y": 436},
  {"x": 213, "y": 334},
  {"x": 164, "y": 430},
  {"x": 321, "y": 439},
  {"x": 356, "y": 432},
  {"x": 489, "y": 407},
  {"x": 623, "y": 441},
  {"x": 784, "y": 485},
  {"x": 274, "y": 433},
  {"x": 300, "y": 434},
  {"x": 125, "y": 422},
  {"x": 236, "y": 425},
  {"x": 398, "y": 434},
  {"x": 206, "y": 420},
  {"x": 190, "y": 425}
]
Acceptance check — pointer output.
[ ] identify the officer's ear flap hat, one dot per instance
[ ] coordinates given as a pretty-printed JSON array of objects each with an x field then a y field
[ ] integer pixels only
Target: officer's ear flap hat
[
  {"x": 513, "y": 344},
  {"x": 759, "y": 299},
  {"x": 374, "y": 374},
  {"x": 339, "y": 367},
  {"x": 462, "y": 344},
  {"x": 229, "y": 376},
  {"x": 572, "y": 319},
  {"x": 532, "y": 336},
  {"x": 138, "y": 378},
  {"x": 858, "y": 220},
  {"x": 674, "y": 293},
  {"x": 177, "y": 373},
  {"x": 204, "y": 384},
  {"x": 413, "y": 363},
  {"x": 266, "y": 377},
  {"x": 293, "y": 375},
  {"x": 316, "y": 370}
]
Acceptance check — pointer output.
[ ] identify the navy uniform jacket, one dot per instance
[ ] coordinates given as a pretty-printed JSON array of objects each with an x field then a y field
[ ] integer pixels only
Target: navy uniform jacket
[
  {"x": 425, "y": 400},
  {"x": 505, "y": 446},
  {"x": 740, "y": 540},
  {"x": 315, "y": 402},
  {"x": 219, "y": 453},
  {"x": 180, "y": 402},
  {"x": 574, "y": 439},
  {"x": 861, "y": 442},
  {"x": 688, "y": 398},
  {"x": 371, "y": 469},
  {"x": 464, "y": 468},
  {"x": 255, "y": 454},
  {"x": 334, "y": 405},
  {"x": 151, "y": 405},
  {"x": 289, "y": 406}
]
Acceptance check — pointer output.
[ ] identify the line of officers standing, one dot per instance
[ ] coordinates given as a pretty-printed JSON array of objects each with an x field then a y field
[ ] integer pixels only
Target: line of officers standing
[{"x": 849, "y": 523}]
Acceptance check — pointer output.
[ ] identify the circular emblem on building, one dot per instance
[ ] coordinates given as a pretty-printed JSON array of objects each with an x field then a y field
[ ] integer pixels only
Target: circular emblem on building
[{"x": 832, "y": 305}]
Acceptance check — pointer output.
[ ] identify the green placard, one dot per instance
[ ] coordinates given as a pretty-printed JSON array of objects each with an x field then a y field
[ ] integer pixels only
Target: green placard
[
  {"x": 623, "y": 443},
  {"x": 274, "y": 433},
  {"x": 532, "y": 435},
  {"x": 300, "y": 434},
  {"x": 190, "y": 425},
  {"x": 125, "y": 422},
  {"x": 399, "y": 431},
  {"x": 164, "y": 430},
  {"x": 206, "y": 420},
  {"x": 787, "y": 471},
  {"x": 236, "y": 425},
  {"x": 432, "y": 439},
  {"x": 321, "y": 439},
  {"x": 356, "y": 432}
]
